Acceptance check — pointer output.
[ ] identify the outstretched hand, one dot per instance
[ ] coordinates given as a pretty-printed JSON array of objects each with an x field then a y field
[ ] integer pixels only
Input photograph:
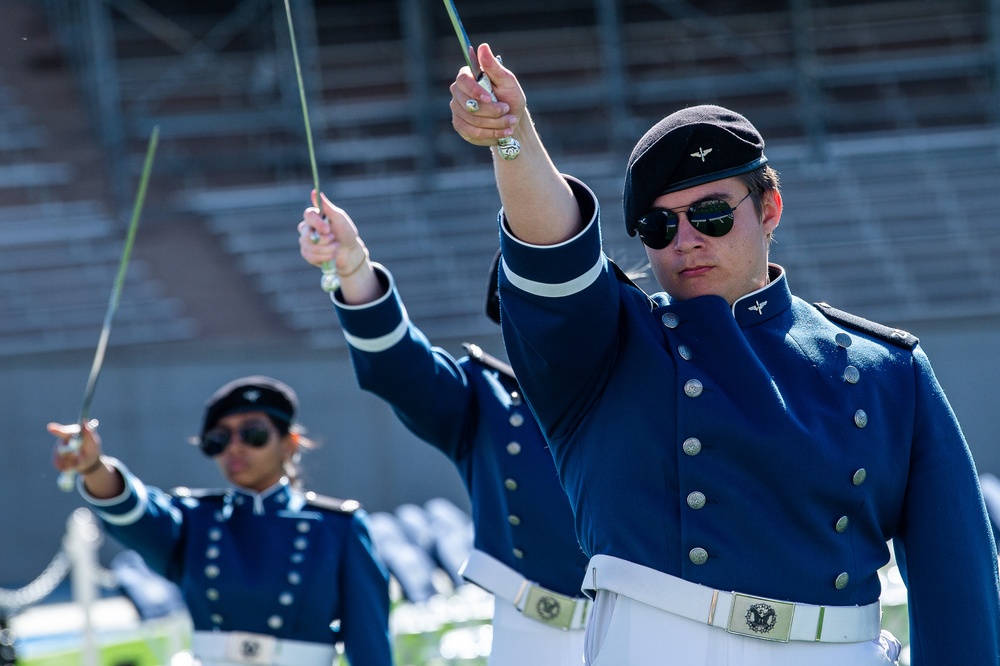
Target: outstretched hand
[
  {"x": 487, "y": 121},
  {"x": 66, "y": 460}
]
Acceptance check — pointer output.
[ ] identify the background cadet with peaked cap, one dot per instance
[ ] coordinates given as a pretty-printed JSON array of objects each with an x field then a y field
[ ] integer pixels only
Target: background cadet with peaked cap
[
  {"x": 526, "y": 552},
  {"x": 737, "y": 458},
  {"x": 271, "y": 574}
]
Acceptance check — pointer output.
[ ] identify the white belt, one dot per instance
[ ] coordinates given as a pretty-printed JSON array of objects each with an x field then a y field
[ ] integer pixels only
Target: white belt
[
  {"x": 532, "y": 600},
  {"x": 756, "y": 617},
  {"x": 222, "y": 648}
]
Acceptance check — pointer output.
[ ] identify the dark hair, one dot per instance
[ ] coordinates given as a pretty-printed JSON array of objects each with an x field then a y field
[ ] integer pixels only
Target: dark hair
[{"x": 760, "y": 181}]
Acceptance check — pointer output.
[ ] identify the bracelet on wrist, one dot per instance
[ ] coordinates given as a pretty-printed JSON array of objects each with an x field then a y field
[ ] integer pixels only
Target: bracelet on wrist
[
  {"x": 358, "y": 267},
  {"x": 92, "y": 468}
]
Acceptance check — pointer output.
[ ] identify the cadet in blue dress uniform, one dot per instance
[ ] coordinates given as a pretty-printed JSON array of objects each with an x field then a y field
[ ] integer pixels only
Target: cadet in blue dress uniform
[
  {"x": 526, "y": 552},
  {"x": 271, "y": 574},
  {"x": 736, "y": 458}
]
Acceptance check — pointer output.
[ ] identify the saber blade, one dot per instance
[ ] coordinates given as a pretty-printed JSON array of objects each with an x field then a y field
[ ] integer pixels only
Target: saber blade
[
  {"x": 507, "y": 146},
  {"x": 65, "y": 480},
  {"x": 329, "y": 281}
]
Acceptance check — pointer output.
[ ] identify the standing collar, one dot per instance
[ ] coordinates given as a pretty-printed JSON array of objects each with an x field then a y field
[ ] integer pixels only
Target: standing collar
[
  {"x": 766, "y": 302},
  {"x": 276, "y": 496}
]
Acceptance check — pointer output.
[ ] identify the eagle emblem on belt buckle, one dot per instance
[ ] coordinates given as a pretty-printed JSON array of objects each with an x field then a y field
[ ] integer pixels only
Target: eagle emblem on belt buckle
[
  {"x": 549, "y": 607},
  {"x": 756, "y": 617}
]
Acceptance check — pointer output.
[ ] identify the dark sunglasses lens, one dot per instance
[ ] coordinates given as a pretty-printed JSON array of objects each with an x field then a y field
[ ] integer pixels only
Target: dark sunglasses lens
[
  {"x": 256, "y": 435},
  {"x": 215, "y": 441},
  {"x": 657, "y": 228},
  {"x": 713, "y": 218}
]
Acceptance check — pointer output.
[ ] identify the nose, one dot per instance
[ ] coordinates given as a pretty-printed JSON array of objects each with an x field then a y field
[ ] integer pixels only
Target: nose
[{"x": 687, "y": 237}]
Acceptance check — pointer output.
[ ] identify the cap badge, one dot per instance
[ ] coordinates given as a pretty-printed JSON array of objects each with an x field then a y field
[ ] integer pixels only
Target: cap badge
[
  {"x": 251, "y": 396},
  {"x": 702, "y": 153},
  {"x": 758, "y": 308}
]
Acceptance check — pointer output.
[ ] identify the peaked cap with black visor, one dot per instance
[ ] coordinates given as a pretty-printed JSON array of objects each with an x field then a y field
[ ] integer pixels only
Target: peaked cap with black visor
[
  {"x": 695, "y": 145},
  {"x": 256, "y": 393}
]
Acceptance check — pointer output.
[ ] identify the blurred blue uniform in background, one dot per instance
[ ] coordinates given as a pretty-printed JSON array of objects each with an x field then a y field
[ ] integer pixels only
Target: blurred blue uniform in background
[{"x": 282, "y": 563}]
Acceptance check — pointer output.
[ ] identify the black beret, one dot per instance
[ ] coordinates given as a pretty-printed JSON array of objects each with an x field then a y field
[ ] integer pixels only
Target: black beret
[
  {"x": 252, "y": 394},
  {"x": 493, "y": 290},
  {"x": 689, "y": 147}
]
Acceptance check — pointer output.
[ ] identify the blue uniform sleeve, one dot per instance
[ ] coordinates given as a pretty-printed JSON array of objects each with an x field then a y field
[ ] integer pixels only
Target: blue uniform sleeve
[
  {"x": 364, "y": 579},
  {"x": 945, "y": 545},
  {"x": 144, "y": 519},
  {"x": 560, "y": 319},
  {"x": 393, "y": 359}
]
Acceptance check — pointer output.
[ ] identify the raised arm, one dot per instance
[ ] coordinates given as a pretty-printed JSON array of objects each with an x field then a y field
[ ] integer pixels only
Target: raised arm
[
  {"x": 101, "y": 480},
  {"x": 537, "y": 202}
]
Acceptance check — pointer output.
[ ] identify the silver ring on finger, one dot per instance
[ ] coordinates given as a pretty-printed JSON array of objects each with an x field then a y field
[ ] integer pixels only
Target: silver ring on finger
[{"x": 472, "y": 105}]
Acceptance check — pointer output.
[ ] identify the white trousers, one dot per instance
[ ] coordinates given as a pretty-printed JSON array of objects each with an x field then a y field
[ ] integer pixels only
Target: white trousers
[
  {"x": 522, "y": 641},
  {"x": 626, "y": 632}
]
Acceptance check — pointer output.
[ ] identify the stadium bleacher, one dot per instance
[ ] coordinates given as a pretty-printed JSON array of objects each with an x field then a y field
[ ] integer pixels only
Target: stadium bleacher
[{"x": 881, "y": 116}]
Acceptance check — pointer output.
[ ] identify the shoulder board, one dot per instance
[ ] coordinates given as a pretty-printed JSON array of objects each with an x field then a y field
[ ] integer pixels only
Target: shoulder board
[
  {"x": 476, "y": 353},
  {"x": 891, "y": 335},
  {"x": 197, "y": 493},
  {"x": 624, "y": 277},
  {"x": 332, "y": 503}
]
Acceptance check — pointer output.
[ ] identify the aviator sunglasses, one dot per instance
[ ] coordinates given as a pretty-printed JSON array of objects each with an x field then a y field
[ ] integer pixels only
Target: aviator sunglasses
[
  {"x": 255, "y": 434},
  {"x": 712, "y": 217}
]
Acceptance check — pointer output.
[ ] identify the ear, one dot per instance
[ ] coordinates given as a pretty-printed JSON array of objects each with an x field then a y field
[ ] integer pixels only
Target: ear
[
  {"x": 290, "y": 444},
  {"x": 771, "y": 207}
]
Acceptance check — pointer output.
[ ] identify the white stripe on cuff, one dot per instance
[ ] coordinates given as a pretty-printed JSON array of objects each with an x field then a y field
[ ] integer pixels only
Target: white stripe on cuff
[{"x": 380, "y": 343}]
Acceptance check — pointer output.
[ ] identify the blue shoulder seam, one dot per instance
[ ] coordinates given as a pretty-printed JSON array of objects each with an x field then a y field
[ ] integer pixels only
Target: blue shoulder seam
[{"x": 894, "y": 336}]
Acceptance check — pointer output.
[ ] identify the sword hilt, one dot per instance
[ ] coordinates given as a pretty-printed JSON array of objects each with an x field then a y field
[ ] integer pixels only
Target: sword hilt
[
  {"x": 67, "y": 479},
  {"x": 330, "y": 281},
  {"x": 508, "y": 147}
]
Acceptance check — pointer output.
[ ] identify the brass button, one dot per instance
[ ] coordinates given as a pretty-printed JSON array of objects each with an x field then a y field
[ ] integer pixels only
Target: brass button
[
  {"x": 693, "y": 388},
  {"x": 841, "y": 581},
  {"x": 670, "y": 320},
  {"x": 842, "y": 524},
  {"x": 698, "y": 556},
  {"x": 510, "y": 484},
  {"x": 860, "y": 476},
  {"x": 692, "y": 446},
  {"x": 696, "y": 500},
  {"x": 513, "y": 448},
  {"x": 851, "y": 374},
  {"x": 860, "y": 418}
]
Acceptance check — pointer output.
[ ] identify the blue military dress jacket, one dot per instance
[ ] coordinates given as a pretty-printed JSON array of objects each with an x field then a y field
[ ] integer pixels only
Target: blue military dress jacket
[
  {"x": 472, "y": 411},
  {"x": 283, "y": 563},
  {"x": 764, "y": 448}
]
